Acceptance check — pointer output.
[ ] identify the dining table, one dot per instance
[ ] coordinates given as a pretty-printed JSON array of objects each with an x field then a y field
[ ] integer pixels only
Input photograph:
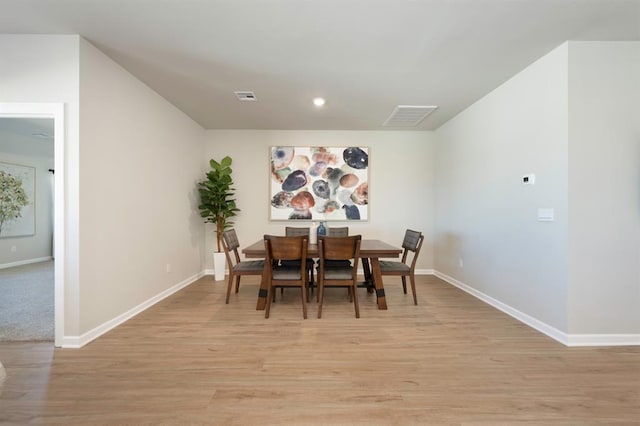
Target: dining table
[{"x": 370, "y": 252}]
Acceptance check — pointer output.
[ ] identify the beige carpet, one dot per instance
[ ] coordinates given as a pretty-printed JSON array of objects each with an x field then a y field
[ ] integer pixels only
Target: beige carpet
[{"x": 26, "y": 302}]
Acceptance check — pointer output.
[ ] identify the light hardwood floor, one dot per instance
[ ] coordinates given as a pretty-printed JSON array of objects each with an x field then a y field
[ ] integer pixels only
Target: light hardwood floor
[{"x": 191, "y": 359}]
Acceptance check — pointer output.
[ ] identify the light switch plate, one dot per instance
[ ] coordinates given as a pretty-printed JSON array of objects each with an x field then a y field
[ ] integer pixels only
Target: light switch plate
[{"x": 546, "y": 215}]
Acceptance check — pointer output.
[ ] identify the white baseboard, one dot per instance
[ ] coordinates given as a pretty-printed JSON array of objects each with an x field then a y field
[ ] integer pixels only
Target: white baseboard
[
  {"x": 554, "y": 333},
  {"x": 603, "y": 340},
  {"x": 80, "y": 341},
  {"x": 25, "y": 262}
]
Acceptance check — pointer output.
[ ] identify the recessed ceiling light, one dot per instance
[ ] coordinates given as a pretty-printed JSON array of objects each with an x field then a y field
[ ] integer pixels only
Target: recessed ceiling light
[{"x": 318, "y": 102}]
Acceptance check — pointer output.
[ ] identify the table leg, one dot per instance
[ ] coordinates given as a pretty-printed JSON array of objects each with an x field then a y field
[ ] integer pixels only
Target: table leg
[
  {"x": 263, "y": 291},
  {"x": 368, "y": 279},
  {"x": 377, "y": 280}
]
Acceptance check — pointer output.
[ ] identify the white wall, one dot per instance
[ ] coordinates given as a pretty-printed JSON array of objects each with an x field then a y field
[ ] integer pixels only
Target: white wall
[
  {"x": 485, "y": 217},
  {"x": 45, "y": 68},
  {"x": 140, "y": 159},
  {"x": 604, "y": 187},
  {"x": 401, "y": 181},
  {"x": 14, "y": 149}
]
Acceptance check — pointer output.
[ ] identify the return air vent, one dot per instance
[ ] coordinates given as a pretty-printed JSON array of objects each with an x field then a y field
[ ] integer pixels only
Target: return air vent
[
  {"x": 246, "y": 96},
  {"x": 408, "y": 115}
]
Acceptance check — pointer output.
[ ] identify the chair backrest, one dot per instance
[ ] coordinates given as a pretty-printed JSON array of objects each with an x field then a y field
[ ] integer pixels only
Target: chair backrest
[
  {"x": 231, "y": 244},
  {"x": 412, "y": 243},
  {"x": 293, "y": 231},
  {"x": 340, "y": 248},
  {"x": 286, "y": 248},
  {"x": 338, "y": 232}
]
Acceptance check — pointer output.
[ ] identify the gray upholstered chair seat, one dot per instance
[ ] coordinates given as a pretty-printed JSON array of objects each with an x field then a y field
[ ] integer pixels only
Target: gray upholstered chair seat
[
  {"x": 286, "y": 273},
  {"x": 250, "y": 265},
  {"x": 390, "y": 266},
  {"x": 338, "y": 273}
]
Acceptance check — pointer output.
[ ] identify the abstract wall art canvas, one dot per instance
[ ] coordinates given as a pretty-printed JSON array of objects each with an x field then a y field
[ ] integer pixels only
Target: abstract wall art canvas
[
  {"x": 17, "y": 200},
  {"x": 319, "y": 183}
]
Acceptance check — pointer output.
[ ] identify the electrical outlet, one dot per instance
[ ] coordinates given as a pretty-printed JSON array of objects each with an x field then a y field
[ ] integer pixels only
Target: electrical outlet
[
  {"x": 14, "y": 249},
  {"x": 168, "y": 268}
]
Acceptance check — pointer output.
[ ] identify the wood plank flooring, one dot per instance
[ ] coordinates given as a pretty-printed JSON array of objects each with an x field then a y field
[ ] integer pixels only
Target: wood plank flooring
[{"x": 191, "y": 359}]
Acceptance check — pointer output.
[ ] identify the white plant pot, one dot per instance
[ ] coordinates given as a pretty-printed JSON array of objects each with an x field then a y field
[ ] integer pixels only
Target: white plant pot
[{"x": 219, "y": 262}]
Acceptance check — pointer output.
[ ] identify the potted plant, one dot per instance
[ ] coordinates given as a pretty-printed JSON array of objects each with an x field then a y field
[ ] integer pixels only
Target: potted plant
[{"x": 217, "y": 205}]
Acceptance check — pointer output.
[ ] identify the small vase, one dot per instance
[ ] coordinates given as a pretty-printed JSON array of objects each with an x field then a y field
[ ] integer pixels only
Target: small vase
[{"x": 322, "y": 230}]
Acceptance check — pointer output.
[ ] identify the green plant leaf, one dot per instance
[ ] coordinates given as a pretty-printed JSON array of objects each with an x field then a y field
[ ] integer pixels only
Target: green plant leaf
[{"x": 217, "y": 204}]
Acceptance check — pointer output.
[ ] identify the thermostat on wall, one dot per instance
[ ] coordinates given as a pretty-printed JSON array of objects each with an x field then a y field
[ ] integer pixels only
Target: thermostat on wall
[{"x": 529, "y": 179}]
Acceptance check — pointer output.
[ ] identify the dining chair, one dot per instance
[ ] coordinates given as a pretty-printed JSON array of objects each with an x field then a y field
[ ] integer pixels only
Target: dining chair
[
  {"x": 342, "y": 231},
  {"x": 338, "y": 232},
  {"x": 238, "y": 268},
  {"x": 293, "y": 231},
  {"x": 412, "y": 243},
  {"x": 279, "y": 249},
  {"x": 339, "y": 249}
]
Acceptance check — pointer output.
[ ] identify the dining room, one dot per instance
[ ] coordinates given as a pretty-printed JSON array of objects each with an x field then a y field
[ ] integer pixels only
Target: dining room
[{"x": 527, "y": 294}]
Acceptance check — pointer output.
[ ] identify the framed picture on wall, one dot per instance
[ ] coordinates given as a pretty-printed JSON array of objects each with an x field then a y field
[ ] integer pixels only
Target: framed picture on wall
[
  {"x": 319, "y": 183},
  {"x": 17, "y": 200}
]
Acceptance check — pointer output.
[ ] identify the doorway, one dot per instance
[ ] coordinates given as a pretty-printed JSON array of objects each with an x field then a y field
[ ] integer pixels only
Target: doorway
[{"x": 38, "y": 113}]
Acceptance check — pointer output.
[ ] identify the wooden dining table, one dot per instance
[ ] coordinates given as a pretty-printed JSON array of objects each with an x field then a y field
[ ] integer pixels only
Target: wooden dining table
[{"x": 370, "y": 251}]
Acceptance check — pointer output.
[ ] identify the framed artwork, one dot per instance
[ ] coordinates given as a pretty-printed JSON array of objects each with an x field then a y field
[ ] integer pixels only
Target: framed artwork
[
  {"x": 17, "y": 200},
  {"x": 319, "y": 183}
]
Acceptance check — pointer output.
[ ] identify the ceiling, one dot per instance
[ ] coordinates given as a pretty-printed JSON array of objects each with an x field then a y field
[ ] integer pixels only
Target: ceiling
[
  {"x": 364, "y": 56},
  {"x": 32, "y": 137}
]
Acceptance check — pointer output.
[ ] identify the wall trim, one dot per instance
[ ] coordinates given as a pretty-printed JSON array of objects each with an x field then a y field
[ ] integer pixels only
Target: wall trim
[
  {"x": 554, "y": 333},
  {"x": 25, "y": 262},
  {"x": 80, "y": 341},
  {"x": 603, "y": 340}
]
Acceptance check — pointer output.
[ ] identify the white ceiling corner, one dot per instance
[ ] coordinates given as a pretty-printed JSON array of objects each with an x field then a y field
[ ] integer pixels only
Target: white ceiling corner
[{"x": 361, "y": 56}]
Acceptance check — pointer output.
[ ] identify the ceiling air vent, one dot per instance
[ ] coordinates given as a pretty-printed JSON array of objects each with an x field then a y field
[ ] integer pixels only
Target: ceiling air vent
[
  {"x": 246, "y": 96},
  {"x": 408, "y": 115}
]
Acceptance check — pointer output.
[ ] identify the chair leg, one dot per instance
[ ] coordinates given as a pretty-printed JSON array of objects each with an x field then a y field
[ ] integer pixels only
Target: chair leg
[
  {"x": 229, "y": 287},
  {"x": 413, "y": 289},
  {"x": 355, "y": 301},
  {"x": 303, "y": 295},
  {"x": 404, "y": 284},
  {"x": 267, "y": 308},
  {"x": 237, "y": 283}
]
